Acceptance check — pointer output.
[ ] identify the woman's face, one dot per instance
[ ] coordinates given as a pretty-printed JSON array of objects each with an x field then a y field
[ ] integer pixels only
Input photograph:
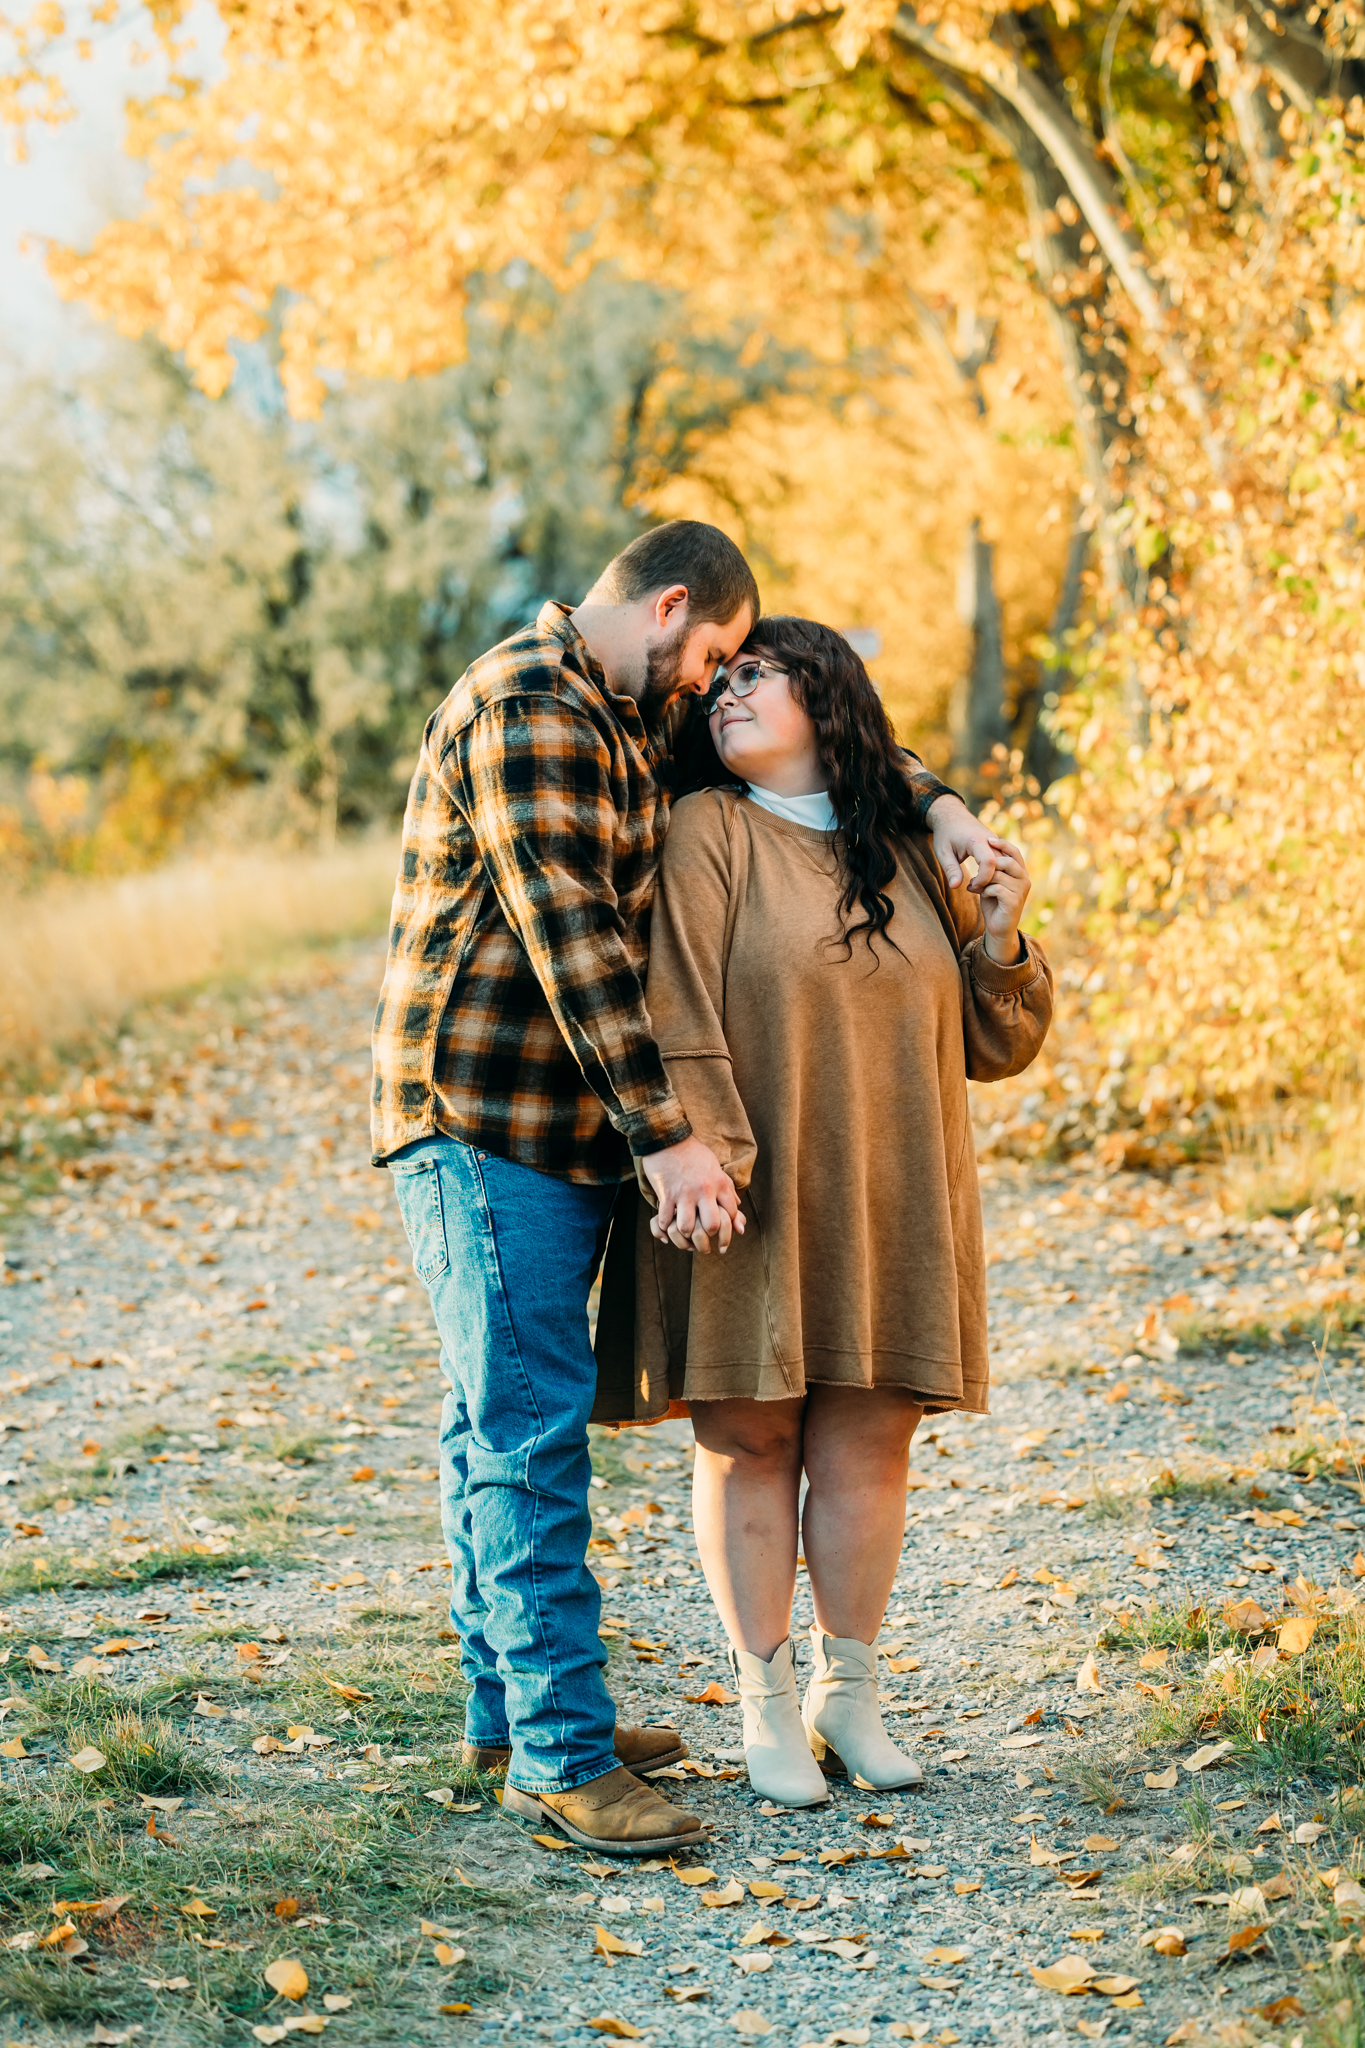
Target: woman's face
[{"x": 766, "y": 737}]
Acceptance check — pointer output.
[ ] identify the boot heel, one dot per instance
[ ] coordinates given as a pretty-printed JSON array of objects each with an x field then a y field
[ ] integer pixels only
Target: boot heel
[
  {"x": 842, "y": 1699},
  {"x": 521, "y": 1803}
]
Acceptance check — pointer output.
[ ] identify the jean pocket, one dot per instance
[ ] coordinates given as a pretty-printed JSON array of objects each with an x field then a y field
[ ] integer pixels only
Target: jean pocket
[{"x": 418, "y": 1188}]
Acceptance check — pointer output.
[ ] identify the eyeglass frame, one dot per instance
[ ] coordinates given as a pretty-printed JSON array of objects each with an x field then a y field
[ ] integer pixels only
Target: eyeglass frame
[{"x": 724, "y": 679}]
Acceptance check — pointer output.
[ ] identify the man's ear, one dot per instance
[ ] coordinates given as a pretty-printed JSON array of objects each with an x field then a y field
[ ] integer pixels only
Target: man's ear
[{"x": 670, "y": 606}]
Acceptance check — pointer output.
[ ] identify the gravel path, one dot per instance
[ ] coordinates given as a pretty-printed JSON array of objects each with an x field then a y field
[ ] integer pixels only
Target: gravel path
[{"x": 219, "y": 1297}]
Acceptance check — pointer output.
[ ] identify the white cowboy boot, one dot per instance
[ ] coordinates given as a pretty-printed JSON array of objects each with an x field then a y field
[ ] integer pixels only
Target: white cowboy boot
[
  {"x": 780, "y": 1765},
  {"x": 843, "y": 1720}
]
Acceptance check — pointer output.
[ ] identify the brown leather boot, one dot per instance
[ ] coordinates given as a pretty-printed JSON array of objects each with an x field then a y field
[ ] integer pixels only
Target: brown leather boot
[
  {"x": 640, "y": 1749},
  {"x": 616, "y": 1812}
]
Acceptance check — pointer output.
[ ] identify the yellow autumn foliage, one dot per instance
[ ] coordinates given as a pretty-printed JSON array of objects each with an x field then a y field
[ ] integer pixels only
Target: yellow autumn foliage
[{"x": 831, "y": 180}]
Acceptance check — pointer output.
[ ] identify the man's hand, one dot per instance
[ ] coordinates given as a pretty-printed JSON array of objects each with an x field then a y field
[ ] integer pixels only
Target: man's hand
[
  {"x": 698, "y": 1200},
  {"x": 958, "y": 836}
]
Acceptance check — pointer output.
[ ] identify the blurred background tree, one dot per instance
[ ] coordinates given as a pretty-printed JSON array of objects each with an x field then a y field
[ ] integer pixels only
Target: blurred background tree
[
  {"x": 215, "y": 617},
  {"x": 1079, "y": 290}
]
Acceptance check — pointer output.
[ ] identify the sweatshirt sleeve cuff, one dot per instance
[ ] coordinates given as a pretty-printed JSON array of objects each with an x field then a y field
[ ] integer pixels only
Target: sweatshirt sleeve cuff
[{"x": 993, "y": 979}]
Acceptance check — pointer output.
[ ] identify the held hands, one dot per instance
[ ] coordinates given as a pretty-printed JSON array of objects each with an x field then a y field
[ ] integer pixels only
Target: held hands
[
  {"x": 697, "y": 1199},
  {"x": 1001, "y": 879}
]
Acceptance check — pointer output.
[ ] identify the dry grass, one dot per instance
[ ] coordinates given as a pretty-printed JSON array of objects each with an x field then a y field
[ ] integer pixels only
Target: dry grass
[
  {"x": 1314, "y": 1158},
  {"x": 79, "y": 954}
]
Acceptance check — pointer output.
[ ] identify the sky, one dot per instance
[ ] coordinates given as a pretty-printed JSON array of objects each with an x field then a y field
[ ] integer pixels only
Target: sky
[{"x": 77, "y": 177}]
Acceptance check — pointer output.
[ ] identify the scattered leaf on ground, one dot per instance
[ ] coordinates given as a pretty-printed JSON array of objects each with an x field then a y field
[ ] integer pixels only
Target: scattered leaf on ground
[
  {"x": 609, "y": 1944},
  {"x": 287, "y": 1976}
]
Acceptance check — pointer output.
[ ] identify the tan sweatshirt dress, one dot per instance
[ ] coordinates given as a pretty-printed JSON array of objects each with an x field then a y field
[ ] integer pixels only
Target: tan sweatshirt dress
[{"x": 833, "y": 1088}]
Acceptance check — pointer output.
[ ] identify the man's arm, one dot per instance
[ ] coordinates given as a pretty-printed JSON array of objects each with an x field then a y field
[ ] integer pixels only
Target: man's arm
[
  {"x": 533, "y": 779},
  {"x": 956, "y": 834}
]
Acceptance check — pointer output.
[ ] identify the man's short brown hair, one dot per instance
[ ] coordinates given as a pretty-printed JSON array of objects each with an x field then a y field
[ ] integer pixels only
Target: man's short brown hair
[{"x": 718, "y": 579}]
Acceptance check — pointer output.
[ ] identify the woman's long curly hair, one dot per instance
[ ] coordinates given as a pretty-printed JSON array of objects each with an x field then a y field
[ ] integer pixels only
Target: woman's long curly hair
[{"x": 867, "y": 770}]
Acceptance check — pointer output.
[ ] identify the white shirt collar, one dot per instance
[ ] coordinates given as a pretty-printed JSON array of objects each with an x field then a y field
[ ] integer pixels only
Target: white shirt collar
[{"x": 815, "y": 810}]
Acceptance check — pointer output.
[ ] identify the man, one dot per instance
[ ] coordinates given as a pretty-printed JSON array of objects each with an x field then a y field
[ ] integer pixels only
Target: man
[{"x": 515, "y": 1074}]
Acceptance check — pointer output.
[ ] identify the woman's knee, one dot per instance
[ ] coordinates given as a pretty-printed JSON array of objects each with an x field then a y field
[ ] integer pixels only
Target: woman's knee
[
  {"x": 869, "y": 1428},
  {"x": 752, "y": 1435}
]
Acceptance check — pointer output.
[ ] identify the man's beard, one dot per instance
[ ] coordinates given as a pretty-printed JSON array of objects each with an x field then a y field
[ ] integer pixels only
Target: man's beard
[{"x": 663, "y": 678}]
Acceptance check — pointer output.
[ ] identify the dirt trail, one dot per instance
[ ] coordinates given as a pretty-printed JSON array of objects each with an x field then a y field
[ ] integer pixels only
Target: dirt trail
[{"x": 219, "y": 1502}]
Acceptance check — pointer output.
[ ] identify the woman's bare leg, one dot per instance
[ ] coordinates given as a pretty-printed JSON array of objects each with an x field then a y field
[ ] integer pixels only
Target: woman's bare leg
[
  {"x": 745, "y": 1489},
  {"x": 855, "y": 1442}
]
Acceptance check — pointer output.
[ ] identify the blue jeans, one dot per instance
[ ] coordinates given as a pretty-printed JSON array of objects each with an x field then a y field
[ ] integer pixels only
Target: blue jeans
[{"x": 508, "y": 1256}]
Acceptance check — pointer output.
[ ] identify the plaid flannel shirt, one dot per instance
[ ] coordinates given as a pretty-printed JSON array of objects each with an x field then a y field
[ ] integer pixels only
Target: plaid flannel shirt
[{"x": 512, "y": 1014}]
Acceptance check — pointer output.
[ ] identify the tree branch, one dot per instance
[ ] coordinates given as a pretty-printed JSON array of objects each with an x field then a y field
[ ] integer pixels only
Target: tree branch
[{"x": 1090, "y": 185}]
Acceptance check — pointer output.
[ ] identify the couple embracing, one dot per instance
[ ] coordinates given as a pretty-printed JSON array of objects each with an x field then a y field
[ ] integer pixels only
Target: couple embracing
[{"x": 683, "y": 956}]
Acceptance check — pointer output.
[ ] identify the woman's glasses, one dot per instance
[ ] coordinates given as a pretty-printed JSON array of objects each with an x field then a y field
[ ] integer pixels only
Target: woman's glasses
[{"x": 741, "y": 680}]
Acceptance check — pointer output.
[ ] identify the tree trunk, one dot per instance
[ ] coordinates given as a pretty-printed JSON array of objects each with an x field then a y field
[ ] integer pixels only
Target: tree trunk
[
  {"x": 977, "y": 716},
  {"x": 1043, "y": 758}
]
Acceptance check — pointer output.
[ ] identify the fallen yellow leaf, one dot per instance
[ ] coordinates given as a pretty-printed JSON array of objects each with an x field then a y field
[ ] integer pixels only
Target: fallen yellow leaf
[
  {"x": 1296, "y": 1634},
  {"x": 1211, "y": 1753},
  {"x": 729, "y": 1895},
  {"x": 1088, "y": 1677},
  {"x": 1068, "y": 1975},
  {"x": 699, "y": 1874},
  {"x": 1162, "y": 1781},
  {"x": 607, "y": 2023},
  {"x": 287, "y": 1976},
  {"x": 608, "y": 1944}
]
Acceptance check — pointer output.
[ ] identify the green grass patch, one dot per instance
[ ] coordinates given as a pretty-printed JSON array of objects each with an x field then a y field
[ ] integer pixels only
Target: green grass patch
[
  {"x": 1205, "y": 1331},
  {"x": 1183, "y": 1625},
  {"x": 1297, "y": 1716},
  {"x": 1181, "y": 1482},
  {"x": 354, "y": 1860},
  {"x": 142, "y": 1754},
  {"x": 54, "y": 1570},
  {"x": 354, "y": 1877},
  {"x": 1109, "y": 1504}
]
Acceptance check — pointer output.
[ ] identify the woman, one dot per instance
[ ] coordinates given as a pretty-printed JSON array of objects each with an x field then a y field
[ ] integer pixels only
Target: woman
[{"x": 821, "y": 998}]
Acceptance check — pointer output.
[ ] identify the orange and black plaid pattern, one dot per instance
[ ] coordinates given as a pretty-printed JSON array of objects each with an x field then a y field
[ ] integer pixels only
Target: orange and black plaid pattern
[{"x": 512, "y": 1013}]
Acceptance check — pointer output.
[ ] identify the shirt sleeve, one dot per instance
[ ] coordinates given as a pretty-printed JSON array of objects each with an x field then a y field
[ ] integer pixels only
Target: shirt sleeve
[
  {"x": 534, "y": 781},
  {"x": 925, "y": 788}
]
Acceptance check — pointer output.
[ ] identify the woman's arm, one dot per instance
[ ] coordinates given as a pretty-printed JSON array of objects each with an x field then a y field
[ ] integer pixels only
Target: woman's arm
[
  {"x": 685, "y": 993},
  {"x": 1006, "y": 981}
]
